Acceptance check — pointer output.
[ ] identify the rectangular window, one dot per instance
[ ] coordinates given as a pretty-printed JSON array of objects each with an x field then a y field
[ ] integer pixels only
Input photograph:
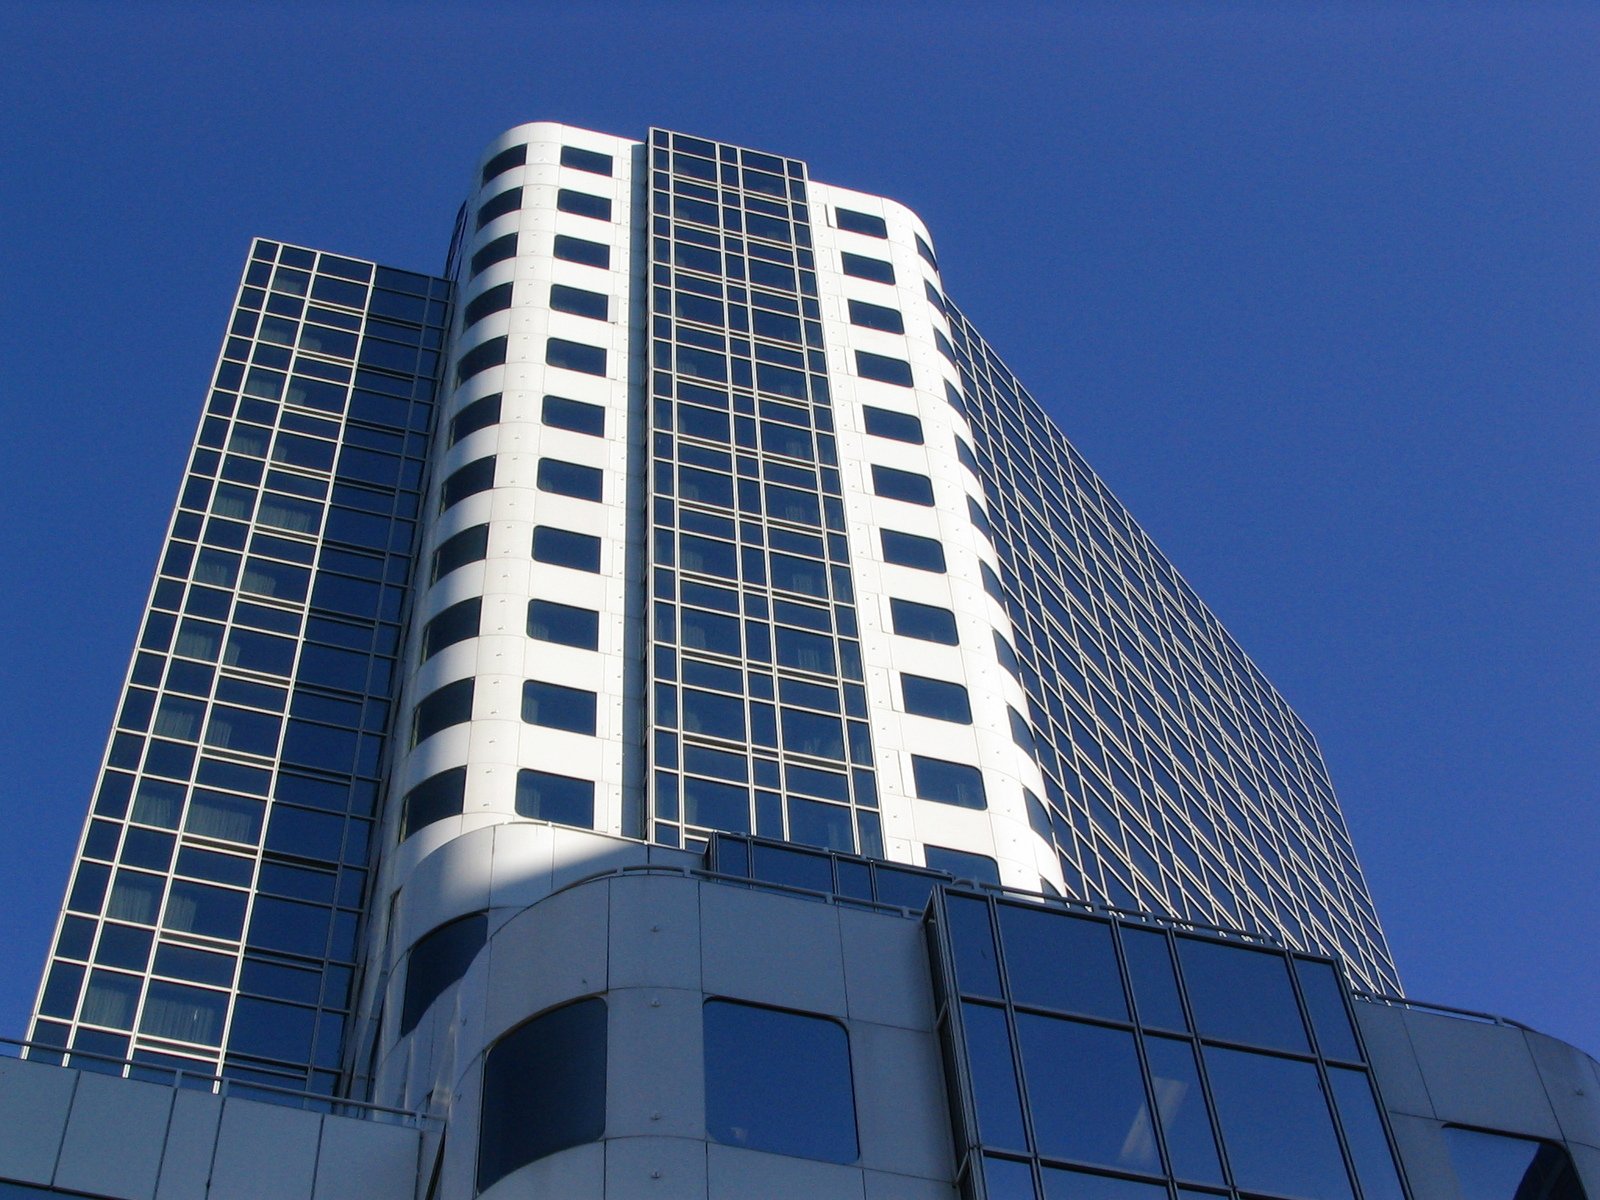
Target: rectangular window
[
  {"x": 883, "y": 368},
  {"x": 899, "y": 427},
  {"x": 447, "y": 706},
  {"x": 455, "y": 624},
  {"x": 496, "y": 299},
  {"x": 936, "y": 698},
  {"x": 435, "y": 798},
  {"x": 894, "y": 484},
  {"x": 569, "y": 479},
  {"x": 564, "y": 624},
  {"x": 563, "y": 548},
  {"x": 863, "y": 267},
  {"x": 476, "y": 476},
  {"x": 948, "y": 782},
  {"x": 500, "y": 249},
  {"x": 779, "y": 1081},
  {"x": 583, "y": 204},
  {"x": 480, "y": 414},
  {"x": 583, "y": 251},
  {"x": 876, "y": 316},
  {"x": 508, "y": 201},
  {"x": 579, "y": 301},
  {"x": 558, "y": 798},
  {"x": 575, "y": 356},
  {"x": 561, "y": 413},
  {"x": 586, "y": 160},
  {"x": 912, "y": 550},
  {"x": 470, "y": 545},
  {"x": 927, "y": 622},
  {"x": 480, "y": 358},
  {"x": 555, "y": 707},
  {"x": 503, "y": 162},
  {"x": 859, "y": 222},
  {"x": 926, "y": 251}
]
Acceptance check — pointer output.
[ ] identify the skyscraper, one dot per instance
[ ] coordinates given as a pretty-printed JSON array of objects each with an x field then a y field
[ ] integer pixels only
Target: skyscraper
[{"x": 507, "y": 617}]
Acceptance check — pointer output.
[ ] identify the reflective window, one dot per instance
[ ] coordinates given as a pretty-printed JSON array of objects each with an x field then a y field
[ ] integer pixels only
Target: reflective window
[
  {"x": 994, "y": 1077},
  {"x": 449, "y": 705},
  {"x": 435, "y": 798},
  {"x": 1155, "y": 987},
  {"x": 581, "y": 250},
  {"x": 1181, "y": 1105},
  {"x": 556, "y": 707},
  {"x": 563, "y": 624},
  {"x": 1369, "y": 1146},
  {"x": 561, "y": 413},
  {"x": 912, "y": 550},
  {"x": 883, "y": 368},
  {"x": 498, "y": 250},
  {"x": 859, "y": 222},
  {"x": 876, "y": 316},
  {"x": 948, "y": 782},
  {"x": 503, "y": 162},
  {"x": 935, "y": 698},
  {"x": 558, "y": 798},
  {"x": 544, "y": 1089},
  {"x": 1330, "y": 1020},
  {"x": 927, "y": 622},
  {"x": 470, "y": 545},
  {"x": 508, "y": 201},
  {"x": 569, "y": 479},
  {"x": 1496, "y": 1166},
  {"x": 579, "y": 301},
  {"x": 894, "y": 484},
  {"x": 779, "y": 1081},
  {"x": 1275, "y": 1124},
  {"x": 1086, "y": 1093},
  {"x": 1059, "y": 961},
  {"x": 963, "y": 864},
  {"x": 575, "y": 356},
  {"x": 586, "y": 160},
  {"x": 491, "y": 353},
  {"x": 480, "y": 414},
  {"x": 563, "y": 548},
  {"x": 583, "y": 204},
  {"x": 476, "y": 476},
  {"x": 495, "y": 299},
  {"x": 1241, "y": 995},
  {"x": 455, "y": 624},
  {"x": 901, "y": 427},
  {"x": 863, "y": 267},
  {"x": 438, "y": 959}
]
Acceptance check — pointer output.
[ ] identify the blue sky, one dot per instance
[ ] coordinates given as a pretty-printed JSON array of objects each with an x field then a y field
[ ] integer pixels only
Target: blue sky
[{"x": 1312, "y": 286}]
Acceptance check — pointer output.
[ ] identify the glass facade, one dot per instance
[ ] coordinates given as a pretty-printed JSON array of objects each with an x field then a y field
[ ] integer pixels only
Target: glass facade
[
  {"x": 1090, "y": 1056},
  {"x": 211, "y": 921}
]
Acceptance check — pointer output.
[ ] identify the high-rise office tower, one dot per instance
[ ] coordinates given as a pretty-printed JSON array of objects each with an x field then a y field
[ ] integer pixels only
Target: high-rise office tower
[{"x": 571, "y": 684}]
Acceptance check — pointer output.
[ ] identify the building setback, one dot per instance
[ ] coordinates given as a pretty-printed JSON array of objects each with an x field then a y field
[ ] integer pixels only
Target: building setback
[{"x": 661, "y": 710}]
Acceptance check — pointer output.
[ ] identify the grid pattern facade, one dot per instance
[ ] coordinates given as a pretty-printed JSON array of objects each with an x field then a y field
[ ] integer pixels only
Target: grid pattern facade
[
  {"x": 1177, "y": 779},
  {"x": 211, "y": 921},
  {"x": 755, "y": 660}
]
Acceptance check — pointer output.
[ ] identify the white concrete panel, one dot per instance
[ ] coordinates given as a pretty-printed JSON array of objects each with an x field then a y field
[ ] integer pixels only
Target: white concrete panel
[
  {"x": 264, "y": 1152},
  {"x": 577, "y": 1174},
  {"x": 366, "y": 1160},
  {"x": 1480, "y": 1074},
  {"x": 655, "y": 1168},
  {"x": 655, "y": 932},
  {"x": 191, "y": 1140},
  {"x": 34, "y": 1101},
  {"x": 734, "y": 1174},
  {"x": 885, "y": 970},
  {"x": 552, "y": 952},
  {"x": 901, "y": 1112},
  {"x": 114, "y": 1137},
  {"x": 655, "y": 1074},
  {"x": 764, "y": 947}
]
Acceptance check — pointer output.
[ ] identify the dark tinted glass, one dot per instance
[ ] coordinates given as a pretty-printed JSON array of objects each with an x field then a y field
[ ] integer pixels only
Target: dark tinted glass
[
  {"x": 470, "y": 545},
  {"x": 926, "y": 622},
  {"x": 437, "y": 960},
  {"x": 496, "y": 299},
  {"x": 994, "y": 1077},
  {"x": 1181, "y": 1103},
  {"x": 972, "y": 941},
  {"x": 1241, "y": 995},
  {"x": 948, "y": 782},
  {"x": 455, "y": 624},
  {"x": 503, "y": 162},
  {"x": 1275, "y": 1124},
  {"x": 479, "y": 359},
  {"x": 544, "y": 1089},
  {"x": 1324, "y": 998},
  {"x": 480, "y": 414},
  {"x": 583, "y": 204},
  {"x": 575, "y": 356},
  {"x": 936, "y": 698},
  {"x": 586, "y": 160},
  {"x": 863, "y": 267},
  {"x": 435, "y": 798},
  {"x": 556, "y": 707},
  {"x": 1085, "y": 1093},
  {"x": 1155, "y": 987},
  {"x": 559, "y": 798},
  {"x": 902, "y": 427},
  {"x": 579, "y": 301},
  {"x": 507, "y": 201},
  {"x": 563, "y": 624},
  {"x": 912, "y": 550},
  {"x": 883, "y": 368},
  {"x": 858, "y": 222},
  {"x": 895, "y": 484},
  {"x": 500, "y": 249},
  {"x": 1369, "y": 1147},
  {"x": 963, "y": 864},
  {"x": 476, "y": 476},
  {"x": 1056, "y": 960},
  {"x": 779, "y": 1081},
  {"x": 581, "y": 250},
  {"x": 1492, "y": 1166},
  {"x": 563, "y": 548},
  {"x": 569, "y": 479},
  {"x": 876, "y": 316},
  {"x": 574, "y": 415},
  {"x": 450, "y": 705}
]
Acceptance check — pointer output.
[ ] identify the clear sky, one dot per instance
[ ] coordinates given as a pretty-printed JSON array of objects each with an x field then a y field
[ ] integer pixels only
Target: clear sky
[{"x": 1313, "y": 286}]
